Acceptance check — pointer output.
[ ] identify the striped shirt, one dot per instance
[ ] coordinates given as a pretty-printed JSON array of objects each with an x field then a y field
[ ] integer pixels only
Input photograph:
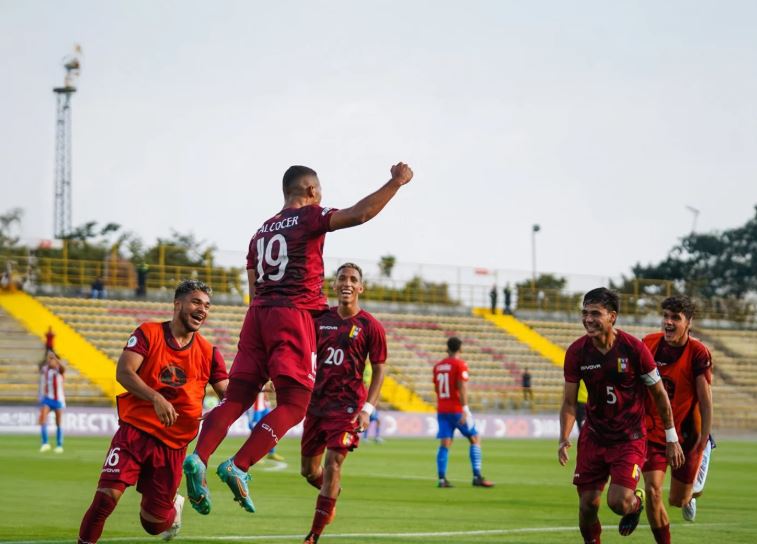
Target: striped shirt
[{"x": 51, "y": 384}]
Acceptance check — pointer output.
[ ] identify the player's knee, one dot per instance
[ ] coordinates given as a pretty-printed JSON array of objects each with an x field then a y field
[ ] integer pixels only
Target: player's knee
[
  {"x": 154, "y": 527},
  {"x": 654, "y": 495}
]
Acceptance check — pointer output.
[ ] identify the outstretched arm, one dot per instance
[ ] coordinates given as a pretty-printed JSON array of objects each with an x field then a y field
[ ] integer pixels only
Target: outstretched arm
[
  {"x": 367, "y": 208},
  {"x": 567, "y": 420},
  {"x": 126, "y": 374}
]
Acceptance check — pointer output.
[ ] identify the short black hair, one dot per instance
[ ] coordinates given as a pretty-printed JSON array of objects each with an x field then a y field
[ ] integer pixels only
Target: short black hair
[
  {"x": 454, "y": 344},
  {"x": 188, "y": 286},
  {"x": 604, "y": 297},
  {"x": 679, "y": 304},
  {"x": 350, "y": 265},
  {"x": 293, "y": 175}
]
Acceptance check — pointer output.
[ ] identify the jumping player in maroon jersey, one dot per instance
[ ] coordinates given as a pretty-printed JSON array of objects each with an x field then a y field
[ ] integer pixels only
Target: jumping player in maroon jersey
[
  {"x": 617, "y": 369},
  {"x": 277, "y": 341},
  {"x": 341, "y": 407}
]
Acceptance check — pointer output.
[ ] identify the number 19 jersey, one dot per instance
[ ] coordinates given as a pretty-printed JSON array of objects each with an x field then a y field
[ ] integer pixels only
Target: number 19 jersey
[
  {"x": 286, "y": 254},
  {"x": 447, "y": 373}
]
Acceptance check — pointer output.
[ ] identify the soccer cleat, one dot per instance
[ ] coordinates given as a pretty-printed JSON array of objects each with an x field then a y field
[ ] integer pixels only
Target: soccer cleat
[
  {"x": 480, "y": 481},
  {"x": 58, "y": 449},
  {"x": 237, "y": 480},
  {"x": 312, "y": 538},
  {"x": 173, "y": 530},
  {"x": 689, "y": 511},
  {"x": 629, "y": 522},
  {"x": 275, "y": 456},
  {"x": 197, "y": 485},
  {"x": 44, "y": 448},
  {"x": 444, "y": 482}
]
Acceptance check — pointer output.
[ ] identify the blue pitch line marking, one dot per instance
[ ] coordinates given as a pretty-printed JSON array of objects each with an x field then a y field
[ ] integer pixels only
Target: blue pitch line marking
[{"x": 486, "y": 532}]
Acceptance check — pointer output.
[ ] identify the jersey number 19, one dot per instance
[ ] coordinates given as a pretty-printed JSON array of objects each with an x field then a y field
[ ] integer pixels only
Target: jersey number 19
[{"x": 265, "y": 253}]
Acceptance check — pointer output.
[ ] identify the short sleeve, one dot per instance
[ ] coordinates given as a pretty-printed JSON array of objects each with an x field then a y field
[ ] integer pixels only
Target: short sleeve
[
  {"x": 462, "y": 369},
  {"x": 377, "y": 350},
  {"x": 218, "y": 371},
  {"x": 251, "y": 254},
  {"x": 701, "y": 361},
  {"x": 317, "y": 219},
  {"x": 138, "y": 343},
  {"x": 571, "y": 365}
]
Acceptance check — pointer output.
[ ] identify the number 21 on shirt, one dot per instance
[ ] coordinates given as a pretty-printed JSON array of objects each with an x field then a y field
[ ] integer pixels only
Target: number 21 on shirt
[
  {"x": 442, "y": 384},
  {"x": 265, "y": 253}
]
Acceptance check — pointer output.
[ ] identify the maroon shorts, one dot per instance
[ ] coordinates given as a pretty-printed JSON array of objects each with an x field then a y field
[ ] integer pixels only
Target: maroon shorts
[
  {"x": 656, "y": 460},
  {"x": 334, "y": 433},
  {"x": 595, "y": 462},
  {"x": 137, "y": 458},
  {"x": 276, "y": 341}
]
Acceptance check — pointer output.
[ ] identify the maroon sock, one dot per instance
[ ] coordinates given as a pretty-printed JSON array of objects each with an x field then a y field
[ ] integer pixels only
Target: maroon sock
[
  {"x": 317, "y": 482},
  {"x": 324, "y": 508},
  {"x": 591, "y": 533},
  {"x": 291, "y": 403},
  {"x": 238, "y": 398},
  {"x": 94, "y": 520},
  {"x": 157, "y": 527},
  {"x": 661, "y": 534}
]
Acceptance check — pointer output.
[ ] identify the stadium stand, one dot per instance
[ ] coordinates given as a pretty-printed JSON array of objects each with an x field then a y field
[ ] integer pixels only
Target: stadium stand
[{"x": 20, "y": 354}]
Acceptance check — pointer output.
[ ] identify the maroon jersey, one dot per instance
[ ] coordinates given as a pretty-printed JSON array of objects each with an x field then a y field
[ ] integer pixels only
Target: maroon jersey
[
  {"x": 287, "y": 256},
  {"x": 615, "y": 409},
  {"x": 343, "y": 346}
]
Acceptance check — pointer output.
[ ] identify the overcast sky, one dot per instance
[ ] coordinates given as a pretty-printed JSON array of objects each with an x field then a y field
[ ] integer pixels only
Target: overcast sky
[{"x": 600, "y": 121}]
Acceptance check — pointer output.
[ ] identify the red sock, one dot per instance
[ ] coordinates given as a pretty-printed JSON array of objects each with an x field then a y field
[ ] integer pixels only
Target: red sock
[
  {"x": 324, "y": 508},
  {"x": 591, "y": 533},
  {"x": 317, "y": 482},
  {"x": 661, "y": 534},
  {"x": 238, "y": 398},
  {"x": 292, "y": 400},
  {"x": 94, "y": 520}
]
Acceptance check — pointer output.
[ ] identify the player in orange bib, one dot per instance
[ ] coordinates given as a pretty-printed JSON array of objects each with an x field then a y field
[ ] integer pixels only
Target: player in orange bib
[
  {"x": 164, "y": 369},
  {"x": 685, "y": 365}
]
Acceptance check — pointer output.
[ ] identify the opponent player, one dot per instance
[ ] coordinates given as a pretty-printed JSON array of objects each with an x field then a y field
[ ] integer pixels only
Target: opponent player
[
  {"x": 51, "y": 397},
  {"x": 617, "y": 370},
  {"x": 164, "y": 369},
  {"x": 340, "y": 407},
  {"x": 450, "y": 385},
  {"x": 686, "y": 368},
  {"x": 259, "y": 409},
  {"x": 277, "y": 341}
]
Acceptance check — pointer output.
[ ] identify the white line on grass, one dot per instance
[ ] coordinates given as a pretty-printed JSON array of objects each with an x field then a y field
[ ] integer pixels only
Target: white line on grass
[{"x": 233, "y": 538}]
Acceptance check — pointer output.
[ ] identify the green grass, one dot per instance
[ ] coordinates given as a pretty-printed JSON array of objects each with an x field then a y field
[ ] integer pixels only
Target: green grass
[{"x": 389, "y": 489}]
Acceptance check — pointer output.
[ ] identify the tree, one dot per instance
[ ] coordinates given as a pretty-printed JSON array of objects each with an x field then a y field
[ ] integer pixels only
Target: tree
[
  {"x": 9, "y": 221},
  {"x": 386, "y": 265}
]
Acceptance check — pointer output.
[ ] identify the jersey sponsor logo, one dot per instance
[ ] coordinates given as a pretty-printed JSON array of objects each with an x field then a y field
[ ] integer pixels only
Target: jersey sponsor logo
[
  {"x": 327, "y": 328},
  {"x": 131, "y": 342},
  {"x": 267, "y": 427},
  {"x": 596, "y": 366},
  {"x": 173, "y": 376},
  {"x": 660, "y": 363},
  {"x": 622, "y": 364},
  {"x": 354, "y": 331}
]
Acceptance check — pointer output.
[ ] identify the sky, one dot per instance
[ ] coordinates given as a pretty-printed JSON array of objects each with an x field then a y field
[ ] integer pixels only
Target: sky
[{"x": 599, "y": 121}]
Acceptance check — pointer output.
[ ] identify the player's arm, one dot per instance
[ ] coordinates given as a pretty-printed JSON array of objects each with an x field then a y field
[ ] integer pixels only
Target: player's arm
[
  {"x": 251, "y": 279},
  {"x": 126, "y": 374},
  {"x": 673, "y": 450},
  {"x": 363, "y": 417},
  {"x": 704, "y": 393},
  {"x": 462, "y": 391},
  {"x": 367, "y": 208},
  {"x": 567, "y": 419},
  {"x": 220, "y": 388}
]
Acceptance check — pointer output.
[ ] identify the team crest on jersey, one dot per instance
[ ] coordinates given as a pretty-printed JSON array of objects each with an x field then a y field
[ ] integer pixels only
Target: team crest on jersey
[
  {"x": 346, "y": 440},
  {"x": 354, "y": 331},
  {"x": 173, "y": 376},
  {"x": 622, "y": 364}
]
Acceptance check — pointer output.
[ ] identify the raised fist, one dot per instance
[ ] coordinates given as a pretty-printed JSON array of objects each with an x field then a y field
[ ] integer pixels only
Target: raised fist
[{"x": 402, "y": 173}]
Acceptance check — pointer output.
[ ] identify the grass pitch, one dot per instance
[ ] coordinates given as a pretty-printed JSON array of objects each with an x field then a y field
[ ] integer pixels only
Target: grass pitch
[{"x": 389, "y": 497}]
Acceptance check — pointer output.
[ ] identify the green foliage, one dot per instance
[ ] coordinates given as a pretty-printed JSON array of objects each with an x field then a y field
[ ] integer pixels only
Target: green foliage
[
  {"x": 386, "y": 265},
  {"x": 9, "y": 222}
]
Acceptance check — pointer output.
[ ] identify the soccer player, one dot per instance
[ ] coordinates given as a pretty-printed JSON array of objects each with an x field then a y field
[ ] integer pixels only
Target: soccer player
[
  {"x": 618, "y": 370},
  {"x": 340, "y": 408},
  {"x": 450, "y": 384},
  {"x": 277, "y": 341},
  {"x": 51, "y": 397},
  {"x": 261, "y": 408},
  {"x": 164, "y": 368},
  {"x": 686, "y": 368}
]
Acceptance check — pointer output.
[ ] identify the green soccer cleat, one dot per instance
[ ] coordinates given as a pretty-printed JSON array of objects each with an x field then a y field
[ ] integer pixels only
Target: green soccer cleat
[
  {"x": 237, "y": 480},
  {"x": 197, "y": 486},
  {"x": 629, "y": 522}
]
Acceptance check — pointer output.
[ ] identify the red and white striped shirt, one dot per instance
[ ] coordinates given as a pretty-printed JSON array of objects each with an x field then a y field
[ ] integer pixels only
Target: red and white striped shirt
[{"x": 51, "y": 384}]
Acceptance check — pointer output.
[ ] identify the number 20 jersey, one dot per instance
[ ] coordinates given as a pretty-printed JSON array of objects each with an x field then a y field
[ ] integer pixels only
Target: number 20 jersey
[
  {"x": 286, "y": 254},
  {"x": 615, "y": 409},
  {"x": 343, "y": 346}
]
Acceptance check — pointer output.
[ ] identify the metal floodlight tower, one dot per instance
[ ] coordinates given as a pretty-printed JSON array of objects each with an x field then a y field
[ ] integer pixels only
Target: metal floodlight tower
[{"x": 62, "y": 219}]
